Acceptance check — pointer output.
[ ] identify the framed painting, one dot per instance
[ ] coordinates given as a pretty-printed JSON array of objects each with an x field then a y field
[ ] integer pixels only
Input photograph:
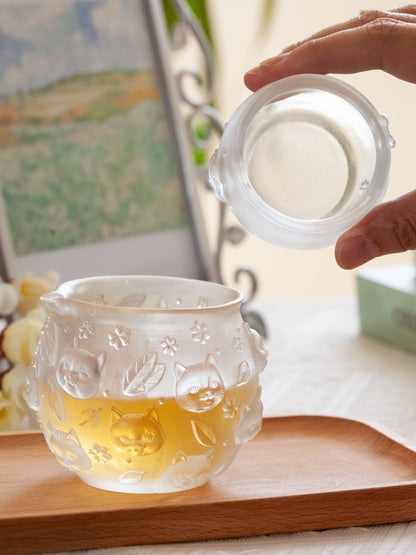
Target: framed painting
[{"x": 96, "y": 170}]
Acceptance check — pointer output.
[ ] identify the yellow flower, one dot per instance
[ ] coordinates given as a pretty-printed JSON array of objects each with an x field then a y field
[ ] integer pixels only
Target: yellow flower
[
  {"x": 30, "y": 288},
  {"x": 8, "y": 299},
  {"x": 20, "y": 339},
  {"x": 12, "y": 385},
  {"x": 14, "y": 412},
  {"x": 9, "y": 417}
]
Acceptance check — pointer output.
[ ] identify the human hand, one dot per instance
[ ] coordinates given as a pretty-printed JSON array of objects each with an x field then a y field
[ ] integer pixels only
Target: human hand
[{"x": 376, "y": 39}]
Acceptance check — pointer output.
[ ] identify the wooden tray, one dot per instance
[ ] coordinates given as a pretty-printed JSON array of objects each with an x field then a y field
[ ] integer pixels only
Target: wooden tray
[{"x": 300, "y": 473}]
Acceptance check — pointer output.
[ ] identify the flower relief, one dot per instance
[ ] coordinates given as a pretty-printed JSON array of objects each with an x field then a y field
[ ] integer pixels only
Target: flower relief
[
  {"x": 119, "y": 338},
  {"x": 200, "y": 332},
  {"x": 99, "y": 454},
  {"x": 86, "y": 329},
  {"x": 169, "y": 346},
  {"x": 237, "y": 344},
  {"x": 231, "y": 407}
]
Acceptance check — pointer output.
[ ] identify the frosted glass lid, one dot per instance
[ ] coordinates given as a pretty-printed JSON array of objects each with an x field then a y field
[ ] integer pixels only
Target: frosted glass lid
[{"x": 306, "y": 155}]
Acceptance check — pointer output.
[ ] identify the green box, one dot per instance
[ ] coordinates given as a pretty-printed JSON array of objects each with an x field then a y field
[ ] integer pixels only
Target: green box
[{"x": 387, "y": 304}]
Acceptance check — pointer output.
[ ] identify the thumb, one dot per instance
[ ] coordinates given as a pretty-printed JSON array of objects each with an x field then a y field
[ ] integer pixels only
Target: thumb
[{"x": 387, "y": 229}]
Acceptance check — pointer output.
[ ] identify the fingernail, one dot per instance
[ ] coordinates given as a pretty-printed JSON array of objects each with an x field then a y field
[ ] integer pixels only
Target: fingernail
[
  {"x": 254, "y": 79},
  {"x": 270, "y": 63},
  {"x": 356, "y": 251},
  {"x": 253, "y": 72}
]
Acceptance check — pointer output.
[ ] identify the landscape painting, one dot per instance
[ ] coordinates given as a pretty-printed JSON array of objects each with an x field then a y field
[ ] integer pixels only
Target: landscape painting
[{"x": 85, "y": 152}]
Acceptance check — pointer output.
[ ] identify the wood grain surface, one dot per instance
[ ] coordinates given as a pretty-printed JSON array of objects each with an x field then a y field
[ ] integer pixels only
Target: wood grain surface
[{"x": 300, "y": 473}]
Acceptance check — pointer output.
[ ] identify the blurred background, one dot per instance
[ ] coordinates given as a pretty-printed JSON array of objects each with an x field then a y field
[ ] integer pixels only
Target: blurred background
[{"x": 242, "y": 39}]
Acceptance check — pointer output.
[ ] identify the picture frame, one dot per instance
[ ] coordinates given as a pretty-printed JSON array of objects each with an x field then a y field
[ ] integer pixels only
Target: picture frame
[{"x": 38, "y": 114}]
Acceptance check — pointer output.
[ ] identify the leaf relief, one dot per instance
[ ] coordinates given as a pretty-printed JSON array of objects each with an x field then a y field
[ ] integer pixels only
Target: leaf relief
[
  {"x": 48, "y": 343},
  {"x": 89, "y": 418},
  {"x": 243, "y": 373},
  {"x": 56, "y": 404},
  {"x": 204, "y": 433},
  {"x": 143, "y": 376}
]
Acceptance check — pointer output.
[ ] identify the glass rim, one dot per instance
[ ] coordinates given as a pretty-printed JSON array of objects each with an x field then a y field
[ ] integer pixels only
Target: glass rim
[{"x": 64, "y": 295}]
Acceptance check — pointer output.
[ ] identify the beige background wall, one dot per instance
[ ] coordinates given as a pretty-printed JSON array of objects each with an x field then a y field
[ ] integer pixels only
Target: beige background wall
[{"x": 240, "y": 46}]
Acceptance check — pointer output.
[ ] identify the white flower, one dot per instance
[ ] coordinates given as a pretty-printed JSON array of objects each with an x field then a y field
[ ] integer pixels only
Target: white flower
[
  {"x": 237, "y": 344},
  {"x": 200, "y": 332},
  {"x": 100, "y": 454},
  {"x": 86, "y": 329},
  {"x": 119, "y": 338},
  {"x": 231, "y": 407},
  {"x": 169, "y": 346}
]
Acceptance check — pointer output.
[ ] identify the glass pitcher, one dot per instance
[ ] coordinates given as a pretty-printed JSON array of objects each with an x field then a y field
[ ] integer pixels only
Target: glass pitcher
[{"x": 146, "y": 384}]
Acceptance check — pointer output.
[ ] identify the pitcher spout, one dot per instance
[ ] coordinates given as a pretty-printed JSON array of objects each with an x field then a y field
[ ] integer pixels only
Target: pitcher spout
[{"x": 54, "y": 302}]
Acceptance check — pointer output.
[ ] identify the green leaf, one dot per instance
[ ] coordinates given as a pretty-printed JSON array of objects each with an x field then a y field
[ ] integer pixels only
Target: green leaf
[
  {"x": 268, "y": 7},
  {"x": 199, "y": 9}
]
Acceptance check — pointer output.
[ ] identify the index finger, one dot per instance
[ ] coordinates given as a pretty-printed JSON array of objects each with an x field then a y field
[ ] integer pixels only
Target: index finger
[
  {"x": 405, "y": 14},
  {"x": 385, "y": 43}
]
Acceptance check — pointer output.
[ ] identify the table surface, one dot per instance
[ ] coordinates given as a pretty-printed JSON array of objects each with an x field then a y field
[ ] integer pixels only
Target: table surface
[{"x": 320, "y": 363}]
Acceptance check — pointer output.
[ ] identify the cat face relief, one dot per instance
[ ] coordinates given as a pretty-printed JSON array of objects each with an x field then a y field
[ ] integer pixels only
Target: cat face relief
[
  {"x": 251, "y": 420},
  {"x": 188, "y": 472},
  {"x": 78, "y": 372},
  {"x": 68, "y": 450},
  {"x": 258, "y": 350},
  {"x": 199, "y": 387},
  {"x": 136, "y": 434}
]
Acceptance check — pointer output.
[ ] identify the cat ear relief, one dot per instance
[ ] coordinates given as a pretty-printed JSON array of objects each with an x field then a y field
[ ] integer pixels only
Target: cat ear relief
[{"x": 136, "y": 386}]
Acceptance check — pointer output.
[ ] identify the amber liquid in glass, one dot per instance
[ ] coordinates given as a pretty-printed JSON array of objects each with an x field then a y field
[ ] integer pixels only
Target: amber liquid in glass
[{"x": 159, "y": 444}]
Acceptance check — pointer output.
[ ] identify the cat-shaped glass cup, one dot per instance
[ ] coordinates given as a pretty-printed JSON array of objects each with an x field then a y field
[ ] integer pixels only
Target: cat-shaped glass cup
[{"x": 146, "y": 384}]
